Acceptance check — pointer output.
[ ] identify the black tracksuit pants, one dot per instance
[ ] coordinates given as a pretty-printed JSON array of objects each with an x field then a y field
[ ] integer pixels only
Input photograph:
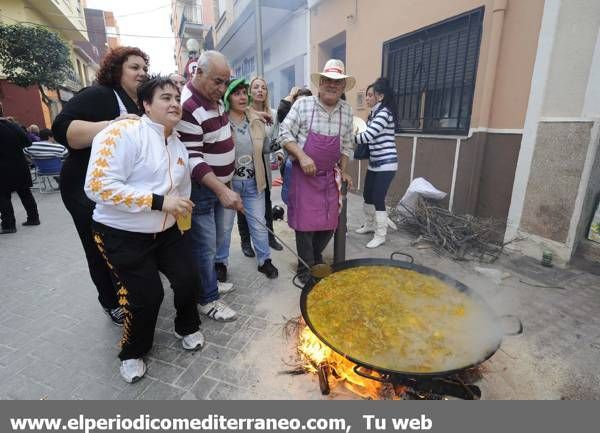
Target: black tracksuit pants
[{"x": 136, "y": 260}]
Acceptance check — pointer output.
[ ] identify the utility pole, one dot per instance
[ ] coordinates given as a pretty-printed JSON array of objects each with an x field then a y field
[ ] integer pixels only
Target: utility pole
[{"x": 260, "y": 71}]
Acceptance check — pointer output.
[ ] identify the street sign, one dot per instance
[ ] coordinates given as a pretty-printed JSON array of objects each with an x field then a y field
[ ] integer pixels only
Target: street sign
[{"x": 190, "y": 68}]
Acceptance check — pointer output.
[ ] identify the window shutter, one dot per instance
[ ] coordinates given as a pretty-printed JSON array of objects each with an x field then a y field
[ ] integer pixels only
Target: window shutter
[{"x": 433, "y": 73}]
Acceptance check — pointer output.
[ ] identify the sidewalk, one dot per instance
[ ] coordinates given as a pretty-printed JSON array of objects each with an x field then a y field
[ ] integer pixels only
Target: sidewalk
[{"x": 56, "y": 343}]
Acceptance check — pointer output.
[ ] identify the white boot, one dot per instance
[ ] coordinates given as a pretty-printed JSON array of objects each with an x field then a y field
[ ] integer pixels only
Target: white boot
[
  {"x": 380, "y": 229},
  {"x": 369, "y": 224}
]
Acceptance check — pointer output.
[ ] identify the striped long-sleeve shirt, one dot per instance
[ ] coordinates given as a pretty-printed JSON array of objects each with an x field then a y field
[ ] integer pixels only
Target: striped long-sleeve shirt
[
  {"x": 45, "y": 150},
  {"x": 380, "y": 138},
  {"x": 205, "y": 131}
]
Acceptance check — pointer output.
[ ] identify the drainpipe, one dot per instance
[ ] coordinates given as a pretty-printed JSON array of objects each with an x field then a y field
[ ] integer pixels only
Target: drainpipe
[
  {"x": 489, "y": 80},
  {"x": 259, "y": 40},
  {"x": 491, "y": 67}
]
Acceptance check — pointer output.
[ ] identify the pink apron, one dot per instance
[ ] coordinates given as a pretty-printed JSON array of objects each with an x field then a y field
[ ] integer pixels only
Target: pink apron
[{"x": 313, "y": 201}]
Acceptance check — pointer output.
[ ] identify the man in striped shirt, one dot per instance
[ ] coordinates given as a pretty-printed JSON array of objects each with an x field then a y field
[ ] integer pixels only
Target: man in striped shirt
[
  {"x": 46, "y": 148},
  {"x": 204, "y": 129}
]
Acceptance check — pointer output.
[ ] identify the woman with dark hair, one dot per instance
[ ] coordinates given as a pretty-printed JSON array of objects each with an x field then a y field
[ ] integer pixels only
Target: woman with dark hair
[
  {"x": 259, "y": 95},
  {"x": 383, "y": 159},
  {"x": 286, "y": 103},
  {"x": 138, "y": 175},
  {"x": 113, "y": 98}
]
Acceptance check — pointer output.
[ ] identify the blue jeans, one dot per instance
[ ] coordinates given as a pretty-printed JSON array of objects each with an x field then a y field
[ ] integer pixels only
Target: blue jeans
[
  {"x": 254, "y": 203},
  {"x": 207, "y": 232}
]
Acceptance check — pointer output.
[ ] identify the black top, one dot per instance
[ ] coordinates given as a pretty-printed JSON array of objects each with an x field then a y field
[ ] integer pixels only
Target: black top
[
  {"x": 14, "y": 170},
  {"x": 282, "y": 111},
  {"x": 92, "y": 104}
]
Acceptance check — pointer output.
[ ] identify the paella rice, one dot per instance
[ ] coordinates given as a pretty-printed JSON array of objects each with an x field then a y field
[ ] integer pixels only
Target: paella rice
[{"x": 401, "y": 320}]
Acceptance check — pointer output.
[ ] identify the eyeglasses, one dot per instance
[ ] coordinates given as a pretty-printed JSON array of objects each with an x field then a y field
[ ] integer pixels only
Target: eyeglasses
[{"x": 220, "y": 82}]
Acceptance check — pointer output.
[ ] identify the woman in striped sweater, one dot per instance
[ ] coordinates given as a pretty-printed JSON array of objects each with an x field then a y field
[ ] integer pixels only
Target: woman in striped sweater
[{"x": 383, "y": 160}]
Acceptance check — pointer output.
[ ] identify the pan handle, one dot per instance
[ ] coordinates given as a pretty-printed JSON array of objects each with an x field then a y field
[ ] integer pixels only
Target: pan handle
[
  {"x": 367, "y": 375},
  {"x": 412, "y": 259},
  {"x": 519, "y": 330},
  {"x": 296, "y": 283}
]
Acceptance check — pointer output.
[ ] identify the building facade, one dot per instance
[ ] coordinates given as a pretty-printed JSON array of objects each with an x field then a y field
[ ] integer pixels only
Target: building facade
[
  {"x": 113, "y": 35},
  {"x": 67, "y": 18},
  {"x": 190, "y": 20},
  {"x": 96, "y": 27},
  {"x": 498, "y": 105},
  {"x": 557, "y": 182},
  {"x": 284, "y": 41},
  {"x": 462, "y": 74}
]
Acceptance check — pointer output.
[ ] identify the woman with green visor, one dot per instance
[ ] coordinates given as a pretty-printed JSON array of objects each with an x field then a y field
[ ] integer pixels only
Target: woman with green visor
[{"x": 249, "y": 178}]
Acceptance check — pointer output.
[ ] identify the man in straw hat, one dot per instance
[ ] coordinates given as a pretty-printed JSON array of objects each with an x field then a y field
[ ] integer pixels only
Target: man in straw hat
[{"x": 317, "y": 133}]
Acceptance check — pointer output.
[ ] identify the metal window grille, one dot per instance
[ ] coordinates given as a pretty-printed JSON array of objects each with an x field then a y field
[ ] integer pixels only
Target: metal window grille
[{"x": 432, "y": 72}]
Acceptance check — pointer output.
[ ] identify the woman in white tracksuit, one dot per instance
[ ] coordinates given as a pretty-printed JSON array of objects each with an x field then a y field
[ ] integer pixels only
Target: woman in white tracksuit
[{"x": 138, "y": 176}]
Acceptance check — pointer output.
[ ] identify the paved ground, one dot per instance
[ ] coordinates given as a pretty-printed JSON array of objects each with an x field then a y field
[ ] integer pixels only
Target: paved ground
[{"x": 56, "y": 343}]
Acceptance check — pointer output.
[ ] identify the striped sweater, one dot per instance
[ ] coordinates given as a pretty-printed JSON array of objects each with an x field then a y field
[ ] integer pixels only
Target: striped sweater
[
  {"x": 205, "y": 131},
  {"x": 45, "y": 150},
  {"x": 380, "y": 138}
]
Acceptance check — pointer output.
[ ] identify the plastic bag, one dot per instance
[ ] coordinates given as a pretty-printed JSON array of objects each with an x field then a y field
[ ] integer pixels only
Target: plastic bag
[{"x": 418, "y": 187}]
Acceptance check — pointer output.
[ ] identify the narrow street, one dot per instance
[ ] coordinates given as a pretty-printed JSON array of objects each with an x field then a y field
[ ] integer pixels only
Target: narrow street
[{"x": 58, "y": 344}]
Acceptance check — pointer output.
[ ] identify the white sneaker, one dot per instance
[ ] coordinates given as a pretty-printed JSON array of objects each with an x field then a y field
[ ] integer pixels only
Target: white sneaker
[
  {"x": 218, "y": 310},
  {"x": 133, "y": 370},
  {"x": 193, "y": 341},
  {"x": 224, "y": 288}
]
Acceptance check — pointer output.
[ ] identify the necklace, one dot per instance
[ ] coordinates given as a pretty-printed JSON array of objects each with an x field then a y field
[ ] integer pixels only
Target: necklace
[{"x": 240, "y": 128}]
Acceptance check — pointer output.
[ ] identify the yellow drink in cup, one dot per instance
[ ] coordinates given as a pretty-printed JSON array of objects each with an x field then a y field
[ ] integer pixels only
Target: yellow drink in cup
[{"x": 184, "y": 221}]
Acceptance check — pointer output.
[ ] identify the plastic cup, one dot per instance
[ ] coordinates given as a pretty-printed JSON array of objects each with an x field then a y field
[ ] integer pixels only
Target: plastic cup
[{"x": 184, "y": 221}]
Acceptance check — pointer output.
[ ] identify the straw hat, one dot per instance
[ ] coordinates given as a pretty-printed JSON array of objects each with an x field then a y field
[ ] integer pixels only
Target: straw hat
[{"x": 335, "y": 70}]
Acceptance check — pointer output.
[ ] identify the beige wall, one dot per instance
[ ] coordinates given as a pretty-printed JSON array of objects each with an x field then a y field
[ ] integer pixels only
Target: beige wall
[
  {"x": 377, "y": 21},
  {"x": 221, "y": 27}
]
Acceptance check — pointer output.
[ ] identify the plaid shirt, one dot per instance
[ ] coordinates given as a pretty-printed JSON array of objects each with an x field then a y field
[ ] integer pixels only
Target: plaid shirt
[{"x": 296, "y": 124}]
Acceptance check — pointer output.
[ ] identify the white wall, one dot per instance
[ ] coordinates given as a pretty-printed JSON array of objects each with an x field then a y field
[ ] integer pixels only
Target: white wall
[
  {"x": 288, "y": 47},
  {"x": 591, "y": 106},
  {"x": 576, "y": 36}
]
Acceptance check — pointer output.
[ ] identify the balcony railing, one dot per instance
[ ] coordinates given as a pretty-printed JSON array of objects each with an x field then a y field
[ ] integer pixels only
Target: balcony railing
[
  {"x": 72, "y": 82},
  {"x": 193, "y": 14},
  {"x": 191, "y": 21}
]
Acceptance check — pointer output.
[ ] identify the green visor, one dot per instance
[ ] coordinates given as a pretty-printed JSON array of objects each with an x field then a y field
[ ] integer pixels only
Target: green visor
[{"x": 234, "y": 84}]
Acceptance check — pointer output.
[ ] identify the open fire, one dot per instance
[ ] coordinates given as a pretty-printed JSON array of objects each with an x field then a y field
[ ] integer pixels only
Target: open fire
[{"x": 334, "y": 370}]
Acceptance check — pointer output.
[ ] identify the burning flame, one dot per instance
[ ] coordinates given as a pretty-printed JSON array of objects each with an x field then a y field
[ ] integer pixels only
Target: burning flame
[{"x": 315, "y": 354}]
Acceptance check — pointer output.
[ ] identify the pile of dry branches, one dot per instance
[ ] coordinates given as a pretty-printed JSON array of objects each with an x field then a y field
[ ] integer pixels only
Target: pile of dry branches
[{"x": 464, "y": 237}]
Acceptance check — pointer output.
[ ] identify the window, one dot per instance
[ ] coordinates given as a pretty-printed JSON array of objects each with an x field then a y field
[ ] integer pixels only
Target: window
[
  {"x": 221, "y": 7},
  {"x": 433, "y": 73}
]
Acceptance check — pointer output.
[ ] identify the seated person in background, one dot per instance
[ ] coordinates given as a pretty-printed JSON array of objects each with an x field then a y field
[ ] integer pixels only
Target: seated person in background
[
  {"x": 33, "y": 132},
  {"x": 138, "y": 176},
  {"x": 46, "y": 147}
]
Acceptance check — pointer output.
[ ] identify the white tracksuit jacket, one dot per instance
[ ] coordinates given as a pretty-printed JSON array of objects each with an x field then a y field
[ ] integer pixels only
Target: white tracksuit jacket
[{"x": 130, "y": 161}]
